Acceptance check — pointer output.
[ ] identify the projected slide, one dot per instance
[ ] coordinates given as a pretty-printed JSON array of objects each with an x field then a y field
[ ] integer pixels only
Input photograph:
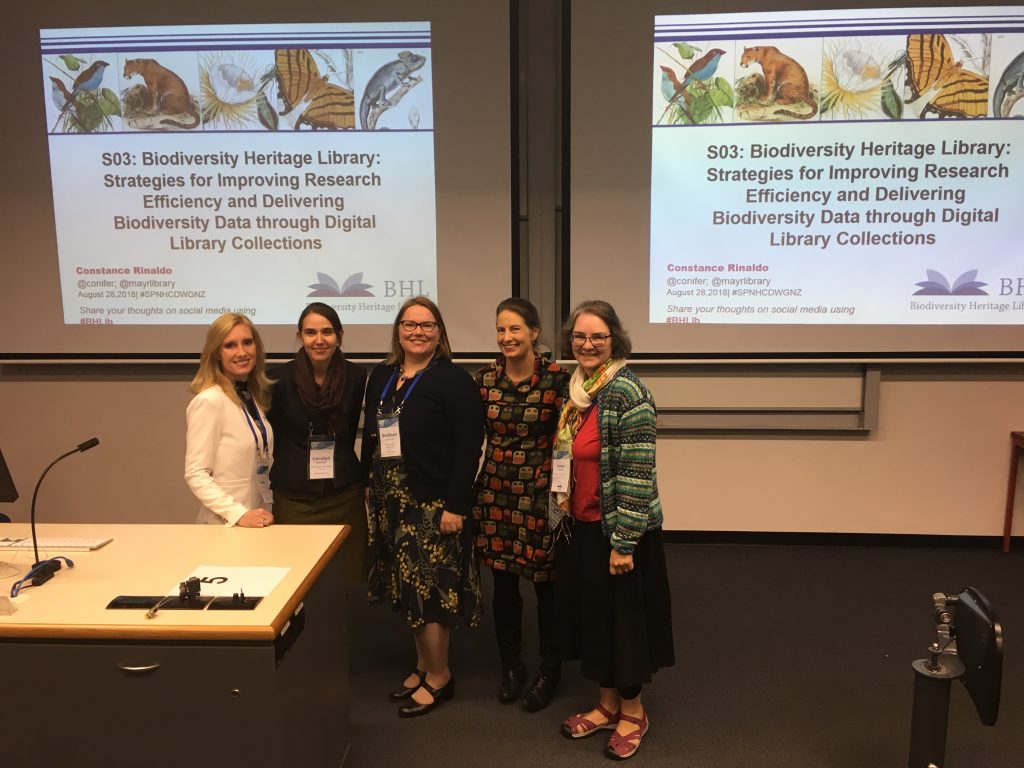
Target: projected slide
[
  {"x": 197, "y": 170},
  {"x": 861, "y": 167}
]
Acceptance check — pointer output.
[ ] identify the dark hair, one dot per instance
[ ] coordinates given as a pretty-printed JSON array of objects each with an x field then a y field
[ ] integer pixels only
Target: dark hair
[
  {"x": 621, "y": 345},
  {"x": 444, "y": 349},
  {"x": 326, "y": 311},
  {"x": 523, "y": 308}
]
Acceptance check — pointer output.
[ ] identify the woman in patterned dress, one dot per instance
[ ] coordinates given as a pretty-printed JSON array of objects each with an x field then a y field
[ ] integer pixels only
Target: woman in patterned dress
[
  {"x": 422, "y": 436},
  {"x": 522, "y": 391}
]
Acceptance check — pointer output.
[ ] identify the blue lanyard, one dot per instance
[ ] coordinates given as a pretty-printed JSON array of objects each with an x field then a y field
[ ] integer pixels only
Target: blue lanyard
[
  {"x": 260, "y": 424},
  {"x": 408, "y": 390}
]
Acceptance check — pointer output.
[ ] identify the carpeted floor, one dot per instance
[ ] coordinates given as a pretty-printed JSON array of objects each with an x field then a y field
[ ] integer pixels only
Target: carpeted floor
[{"x": 787, "y": 657}]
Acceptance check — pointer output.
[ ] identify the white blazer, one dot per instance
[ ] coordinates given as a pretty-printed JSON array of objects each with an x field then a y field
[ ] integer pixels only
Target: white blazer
[{"x": 220, "y": 457}]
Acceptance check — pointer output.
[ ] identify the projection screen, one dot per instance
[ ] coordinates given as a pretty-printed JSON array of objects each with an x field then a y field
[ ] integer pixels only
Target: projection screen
[
  {"x": 800, "y": 182},
  {"x": 167, "y": 165}
]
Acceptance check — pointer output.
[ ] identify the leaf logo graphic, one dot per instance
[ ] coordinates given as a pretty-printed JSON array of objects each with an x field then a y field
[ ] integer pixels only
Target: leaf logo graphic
[
  {"x": 938, "y": 285},
  {"x": 328, "y": 286},
  {"x": 354, "y": 286}
]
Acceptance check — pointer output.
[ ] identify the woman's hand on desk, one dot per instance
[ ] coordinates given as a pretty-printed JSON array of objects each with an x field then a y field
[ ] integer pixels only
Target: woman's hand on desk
[{"x": 256, "y": 518}]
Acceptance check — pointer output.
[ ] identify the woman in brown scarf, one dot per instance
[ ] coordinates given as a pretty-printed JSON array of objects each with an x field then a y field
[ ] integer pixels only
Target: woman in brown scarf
[{"x": 314, "y": 409}]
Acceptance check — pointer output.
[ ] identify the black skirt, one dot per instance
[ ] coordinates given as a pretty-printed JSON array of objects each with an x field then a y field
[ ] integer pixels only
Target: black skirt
[{"x": 619, "y": 627}]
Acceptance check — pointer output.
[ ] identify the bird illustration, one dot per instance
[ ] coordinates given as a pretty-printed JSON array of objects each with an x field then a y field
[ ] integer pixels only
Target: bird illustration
[
  {"x": 63, "y": 100},
  {"x": 71, "y": 61},
  {"x": 669, "y": 81},
  {"x": 702, "y": 69},
  {"x": 90, "y": 79},
  {"x": 59, "y": 93}
]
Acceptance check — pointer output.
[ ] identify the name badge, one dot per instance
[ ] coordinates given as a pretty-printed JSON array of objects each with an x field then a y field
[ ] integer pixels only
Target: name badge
[
  {"x": 263, "y": 479},
  {"x": 561, "y": 471},
  {"x": 389, "y": 437},
  {"x": 321, "y": 458}
]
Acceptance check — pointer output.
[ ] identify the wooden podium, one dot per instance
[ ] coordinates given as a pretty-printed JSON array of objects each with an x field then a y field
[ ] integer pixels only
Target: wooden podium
[{"x": 91, "y": 686}]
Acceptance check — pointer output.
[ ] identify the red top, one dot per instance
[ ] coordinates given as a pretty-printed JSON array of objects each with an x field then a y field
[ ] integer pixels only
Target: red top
[{"x": 586, "y": 471}]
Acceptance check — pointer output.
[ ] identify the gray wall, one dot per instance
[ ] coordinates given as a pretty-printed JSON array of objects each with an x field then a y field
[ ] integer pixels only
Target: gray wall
[{"x": 936, "y": 464}]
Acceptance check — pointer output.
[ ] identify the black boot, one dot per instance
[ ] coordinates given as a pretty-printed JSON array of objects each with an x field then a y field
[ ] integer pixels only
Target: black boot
[
  {"x": 542, "y": 690},
  {"x": 512, "y": 681},
  {"x": 508, "y": 628}
]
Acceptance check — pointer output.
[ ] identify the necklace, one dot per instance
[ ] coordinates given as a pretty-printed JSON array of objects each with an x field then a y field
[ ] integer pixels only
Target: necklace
[{"x": 408, "y": 371}]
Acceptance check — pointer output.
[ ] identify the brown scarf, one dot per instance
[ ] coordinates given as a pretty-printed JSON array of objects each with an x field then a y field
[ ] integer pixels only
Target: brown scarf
[{"x": 322, "y": 400}]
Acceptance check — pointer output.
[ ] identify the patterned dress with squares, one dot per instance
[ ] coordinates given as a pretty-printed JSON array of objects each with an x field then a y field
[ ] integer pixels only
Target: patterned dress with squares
[{"x": 510, "y": 517}]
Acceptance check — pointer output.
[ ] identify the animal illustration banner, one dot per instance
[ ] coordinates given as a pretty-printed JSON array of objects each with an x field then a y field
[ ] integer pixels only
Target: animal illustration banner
[
  {"x": 198, "y": 170},
  {"x": 861, "y": 166}
]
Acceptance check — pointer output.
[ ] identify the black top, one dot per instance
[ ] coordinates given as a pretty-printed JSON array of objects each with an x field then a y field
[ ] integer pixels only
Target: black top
[
  {"x": 242, "y": 390},
  {"x": 442, "y": 429},
  {"x": 292, "y": 422}
]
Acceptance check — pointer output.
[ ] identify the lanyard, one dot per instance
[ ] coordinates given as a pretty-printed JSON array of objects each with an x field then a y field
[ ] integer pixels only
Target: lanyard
[
  {"x": 408, "y": 390},
  {"x": 260, "y": 424},
  {"x": 327, "y": 432}
]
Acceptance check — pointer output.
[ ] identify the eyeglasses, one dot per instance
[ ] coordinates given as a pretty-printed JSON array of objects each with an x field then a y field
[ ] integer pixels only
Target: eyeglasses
[
  {"x": 409, "y": 326},
  {"x": 596, "y": 340}
]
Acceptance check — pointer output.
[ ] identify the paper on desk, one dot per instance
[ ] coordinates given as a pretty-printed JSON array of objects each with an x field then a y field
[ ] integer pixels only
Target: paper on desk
[{"x": 226, "y": 580}]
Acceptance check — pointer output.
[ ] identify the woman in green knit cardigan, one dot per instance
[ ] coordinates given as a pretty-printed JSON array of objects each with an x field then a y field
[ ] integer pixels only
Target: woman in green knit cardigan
[{"x": 612, "y": 591}]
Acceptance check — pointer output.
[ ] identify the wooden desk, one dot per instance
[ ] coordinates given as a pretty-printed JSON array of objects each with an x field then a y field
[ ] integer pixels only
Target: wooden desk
[
  {"x": 99, "y": 687},
  {"x": 1016, "y": 443}
]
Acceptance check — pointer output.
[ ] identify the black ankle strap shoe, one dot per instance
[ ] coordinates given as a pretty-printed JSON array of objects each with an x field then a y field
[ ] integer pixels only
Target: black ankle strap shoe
[
  {"x": 415, "y": 709},
  {"x": 404, "y": 692}
]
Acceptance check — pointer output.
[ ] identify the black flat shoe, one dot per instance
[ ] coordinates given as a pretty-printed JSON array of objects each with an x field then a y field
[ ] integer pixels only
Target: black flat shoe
[
  {"x": 404, "y": 693},
  {"x": 415, "y": 709},
  {"x": 541, "y": 692},
  {"x": 512, "y": 681}
]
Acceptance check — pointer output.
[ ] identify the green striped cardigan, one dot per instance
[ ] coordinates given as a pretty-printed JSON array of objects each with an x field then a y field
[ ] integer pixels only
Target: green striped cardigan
[{"x": 629, "y": 481}]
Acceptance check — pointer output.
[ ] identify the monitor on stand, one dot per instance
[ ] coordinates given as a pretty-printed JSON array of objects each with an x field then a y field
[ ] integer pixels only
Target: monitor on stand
[{"x": 979, "y": 644}]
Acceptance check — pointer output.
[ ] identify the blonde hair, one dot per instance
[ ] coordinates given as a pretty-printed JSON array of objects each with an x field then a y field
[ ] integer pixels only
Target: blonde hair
[
  {"x": 210, "y": 373},
  {"x": 444, "y": 349}
]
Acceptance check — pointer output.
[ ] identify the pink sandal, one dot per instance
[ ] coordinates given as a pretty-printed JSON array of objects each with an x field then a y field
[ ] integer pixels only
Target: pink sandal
[
  {"x": 623, "y": 747},
  {"x": 578, "y": 726}
]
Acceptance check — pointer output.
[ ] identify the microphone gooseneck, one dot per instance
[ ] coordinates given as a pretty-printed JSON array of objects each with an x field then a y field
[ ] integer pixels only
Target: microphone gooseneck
[{"x": 46, "y": 574}]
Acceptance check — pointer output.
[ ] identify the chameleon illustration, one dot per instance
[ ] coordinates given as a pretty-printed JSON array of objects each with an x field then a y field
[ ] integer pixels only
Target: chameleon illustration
[
  {"x": 1010, "y": 89},
  {"x": 387, "y": 86}
]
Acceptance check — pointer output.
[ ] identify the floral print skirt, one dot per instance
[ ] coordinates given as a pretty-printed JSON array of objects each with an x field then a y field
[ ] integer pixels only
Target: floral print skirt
[{"x": 431, "y": 577}]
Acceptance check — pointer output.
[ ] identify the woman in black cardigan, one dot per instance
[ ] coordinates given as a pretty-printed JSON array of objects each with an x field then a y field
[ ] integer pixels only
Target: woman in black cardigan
[
  {"x": 314, "y": 409},
  {"x": 423, "y": 433}
]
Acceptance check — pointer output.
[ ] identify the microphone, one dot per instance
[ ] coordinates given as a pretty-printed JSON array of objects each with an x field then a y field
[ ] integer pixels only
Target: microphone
[
  {"x": 92, "y": 442},
  {"x": 43, "y": 571}
]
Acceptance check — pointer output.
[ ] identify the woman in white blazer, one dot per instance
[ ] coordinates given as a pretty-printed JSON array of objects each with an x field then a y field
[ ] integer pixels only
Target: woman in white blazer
[{"x": 229, "y": 442}]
